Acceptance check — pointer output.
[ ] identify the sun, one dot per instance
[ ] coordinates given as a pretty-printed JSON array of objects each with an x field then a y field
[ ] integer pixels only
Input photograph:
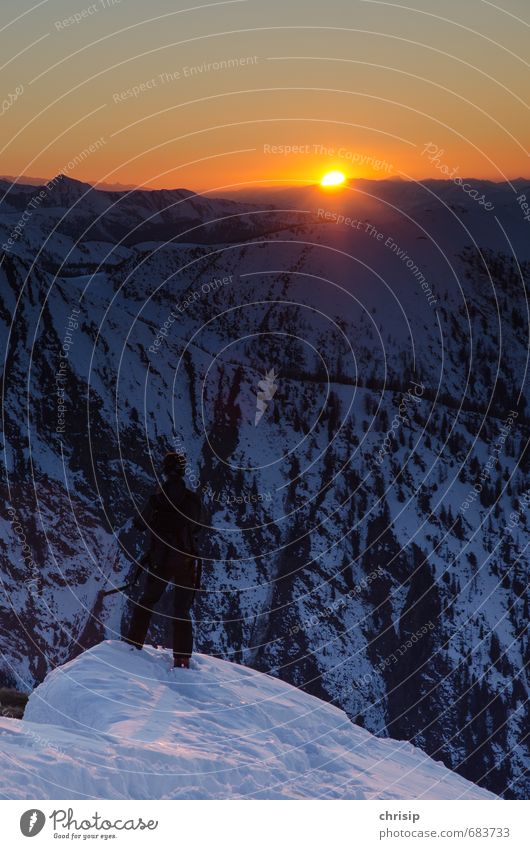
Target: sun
[{"x": 333, "y": 178}]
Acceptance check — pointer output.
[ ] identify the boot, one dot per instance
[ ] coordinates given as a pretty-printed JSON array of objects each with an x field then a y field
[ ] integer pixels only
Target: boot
[{"x": 181, "y": 661}]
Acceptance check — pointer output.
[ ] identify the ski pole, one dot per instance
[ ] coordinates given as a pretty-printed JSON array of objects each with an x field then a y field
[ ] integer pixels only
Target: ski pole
[{"x": 137, "y": 573}]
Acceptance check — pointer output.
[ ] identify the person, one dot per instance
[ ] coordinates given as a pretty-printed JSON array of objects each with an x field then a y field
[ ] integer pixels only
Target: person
[{"x": 172, "y": 514}]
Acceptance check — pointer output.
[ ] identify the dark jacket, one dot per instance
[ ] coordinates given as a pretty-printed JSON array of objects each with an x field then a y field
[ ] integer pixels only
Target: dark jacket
[{"x": 172, "y": 514}]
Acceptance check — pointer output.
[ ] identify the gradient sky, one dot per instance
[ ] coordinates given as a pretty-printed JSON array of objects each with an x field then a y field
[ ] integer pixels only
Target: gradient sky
[{"x": 371, "y": 82}]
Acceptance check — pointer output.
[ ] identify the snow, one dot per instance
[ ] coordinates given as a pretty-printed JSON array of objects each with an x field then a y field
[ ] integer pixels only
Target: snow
[{"x": 119, "y": 723}]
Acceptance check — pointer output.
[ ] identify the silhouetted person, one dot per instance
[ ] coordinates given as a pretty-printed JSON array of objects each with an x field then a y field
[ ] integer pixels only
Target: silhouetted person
[{"x": 172, "y": 514}]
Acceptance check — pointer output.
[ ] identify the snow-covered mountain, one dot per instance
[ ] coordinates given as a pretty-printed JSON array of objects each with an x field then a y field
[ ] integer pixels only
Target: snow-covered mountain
[
  {"x": 367, "y": 538},
  {"x": 116, "y": 723}
]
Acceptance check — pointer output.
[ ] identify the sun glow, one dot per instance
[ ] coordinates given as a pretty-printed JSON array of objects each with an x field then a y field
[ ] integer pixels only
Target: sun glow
[{"x": 333, "y": 178}]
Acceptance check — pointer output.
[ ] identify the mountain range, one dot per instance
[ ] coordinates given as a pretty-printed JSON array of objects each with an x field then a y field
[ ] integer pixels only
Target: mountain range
[{"x": 366, "y": 539}]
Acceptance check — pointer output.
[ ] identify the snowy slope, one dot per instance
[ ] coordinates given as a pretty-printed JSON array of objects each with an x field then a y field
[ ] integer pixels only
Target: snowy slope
[{"x": 116, "y": 723}]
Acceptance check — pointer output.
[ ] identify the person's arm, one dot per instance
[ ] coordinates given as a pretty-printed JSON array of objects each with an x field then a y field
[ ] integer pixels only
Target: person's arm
[
  {"x": 194, "y": 519},
  {"x": 146, "y": 515}
]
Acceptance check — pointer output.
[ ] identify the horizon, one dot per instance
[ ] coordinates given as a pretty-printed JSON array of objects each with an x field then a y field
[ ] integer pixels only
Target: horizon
[{"x": 260, "y": 185}]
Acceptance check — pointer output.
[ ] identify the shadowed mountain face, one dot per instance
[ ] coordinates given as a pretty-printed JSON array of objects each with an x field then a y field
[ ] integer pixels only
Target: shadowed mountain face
[{"x": 365, "y": 534}]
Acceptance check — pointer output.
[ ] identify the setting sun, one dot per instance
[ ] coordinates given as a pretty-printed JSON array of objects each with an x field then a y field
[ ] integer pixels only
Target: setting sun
[{"x": 332, "y": 178}]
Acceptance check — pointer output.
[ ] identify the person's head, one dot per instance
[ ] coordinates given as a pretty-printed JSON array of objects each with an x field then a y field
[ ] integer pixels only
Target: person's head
[{"x": 174, "y": 463}]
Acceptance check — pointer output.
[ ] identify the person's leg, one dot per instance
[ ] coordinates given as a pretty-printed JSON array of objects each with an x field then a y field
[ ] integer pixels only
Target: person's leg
[
  {"x": 182, "y": 624},
  {"x": 184, "y": 593},
  {"x": 143, "y": 610}
]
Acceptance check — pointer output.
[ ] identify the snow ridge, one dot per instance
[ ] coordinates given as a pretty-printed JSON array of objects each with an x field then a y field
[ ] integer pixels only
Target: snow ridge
[{"x": 118, "y": 723}]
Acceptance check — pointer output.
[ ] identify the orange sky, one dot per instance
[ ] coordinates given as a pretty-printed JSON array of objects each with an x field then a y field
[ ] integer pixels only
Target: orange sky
[{"x": 135, "y": 93}]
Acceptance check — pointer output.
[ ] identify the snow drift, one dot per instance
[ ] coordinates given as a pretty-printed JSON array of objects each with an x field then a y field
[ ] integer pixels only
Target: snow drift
[{"x": 118, "y": 723}]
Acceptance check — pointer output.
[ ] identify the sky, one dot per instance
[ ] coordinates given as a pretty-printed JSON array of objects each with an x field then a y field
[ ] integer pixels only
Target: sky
[{"x": 222, "y": 95}]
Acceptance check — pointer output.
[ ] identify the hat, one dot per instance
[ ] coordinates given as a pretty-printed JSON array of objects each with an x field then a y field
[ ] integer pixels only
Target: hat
[{"x": 174, "y": 462}]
